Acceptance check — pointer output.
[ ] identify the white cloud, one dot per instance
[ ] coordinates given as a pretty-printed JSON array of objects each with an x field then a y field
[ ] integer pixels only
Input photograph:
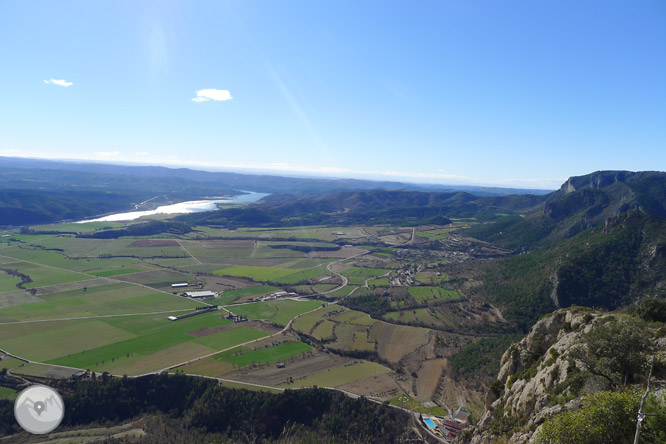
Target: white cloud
[
  {"x": 219, "y": 95},
  {"x": 107, "y": 154},
  {"x": 141, "y": 153},
  {"x": 58, "y": 82}
]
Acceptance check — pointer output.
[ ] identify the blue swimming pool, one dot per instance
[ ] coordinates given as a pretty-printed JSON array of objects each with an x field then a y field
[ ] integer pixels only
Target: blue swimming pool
[{"x": 429, "y": 422}]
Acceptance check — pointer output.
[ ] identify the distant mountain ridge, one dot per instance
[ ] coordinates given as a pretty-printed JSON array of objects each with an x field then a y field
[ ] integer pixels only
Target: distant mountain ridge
[
  {"x": 599, "y": 241},
  {"x": 266, "y": 183},
  {"x": 37, "y": 191},
  {"x": 582, "y": 202}
]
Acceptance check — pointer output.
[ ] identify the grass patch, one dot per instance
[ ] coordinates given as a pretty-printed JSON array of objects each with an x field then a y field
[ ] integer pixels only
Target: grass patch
[
  {"x": 381, "y": 282},
  {"x": 424, "y": 294}
]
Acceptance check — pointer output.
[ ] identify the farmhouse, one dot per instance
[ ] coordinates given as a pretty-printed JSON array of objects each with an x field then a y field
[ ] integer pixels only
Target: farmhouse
[
  {"x": 236, "y": 318},
  {"x": 200, "y": 294}
]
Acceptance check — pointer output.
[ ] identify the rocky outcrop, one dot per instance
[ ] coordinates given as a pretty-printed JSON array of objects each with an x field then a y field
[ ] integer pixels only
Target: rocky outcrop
[{"x": 530, "y": 372}]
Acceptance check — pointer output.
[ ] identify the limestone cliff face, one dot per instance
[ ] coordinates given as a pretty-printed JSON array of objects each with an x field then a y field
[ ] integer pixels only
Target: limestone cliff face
[{"x": 530, "y": 371}]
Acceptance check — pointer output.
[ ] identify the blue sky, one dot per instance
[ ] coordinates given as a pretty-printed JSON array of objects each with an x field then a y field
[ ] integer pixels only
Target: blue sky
[{"x": 508, "y": 93}]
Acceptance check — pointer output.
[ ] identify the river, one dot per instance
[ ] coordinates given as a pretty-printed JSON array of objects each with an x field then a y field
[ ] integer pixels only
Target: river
[{"x": 191, "y": 206}]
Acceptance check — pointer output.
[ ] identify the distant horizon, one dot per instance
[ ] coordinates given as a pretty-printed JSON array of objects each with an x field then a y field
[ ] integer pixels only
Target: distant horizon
[
  {"x": 376, "y": 177},
  {"x": 475, "y": 93}
]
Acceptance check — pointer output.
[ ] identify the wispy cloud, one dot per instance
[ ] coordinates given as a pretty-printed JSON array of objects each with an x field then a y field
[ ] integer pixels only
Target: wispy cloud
[
  {"x": 58, "y": 82},
  {"x": 141, "y": 153},
  {"x": 218, "y": 95}
]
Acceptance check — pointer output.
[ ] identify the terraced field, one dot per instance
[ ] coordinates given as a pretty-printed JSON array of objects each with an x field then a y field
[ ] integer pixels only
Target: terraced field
[{"x": 340, "y": 375}]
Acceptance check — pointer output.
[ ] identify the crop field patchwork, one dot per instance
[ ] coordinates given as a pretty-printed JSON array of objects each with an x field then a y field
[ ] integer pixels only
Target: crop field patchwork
[
  {"x": 242, "y": 356},
  {"x": 306, "y": 322},
  {"x": 277, "y": 312},
  {"x": 47, "y": 341},
  {"x": 116, "y": 283},
  {"x": 161, "y": 359},
  {"x": 340, "y": 375},
  {"x": 42, "y": 276},
  {"x": 129, "y": 341},
  {"x": 100, "y": 300},
  {"x": 269, "y": 274}
]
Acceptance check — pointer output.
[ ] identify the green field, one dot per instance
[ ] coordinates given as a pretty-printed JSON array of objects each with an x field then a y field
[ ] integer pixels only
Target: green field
[
  {"x": 277, "y": 312},
  {"x": 424, "y": 316},
  {"x": 43, "y": 275},
  {"x": 306, "y": 322},
  {"x": 50, "y": 340},
  {"x": 340, "y": 375},
  {"x": 269, "y": 274},
  {"x": 423, "y": 294},
  {"x": 119, "y": 340},
  {"x": 442, "y": 233},
  {"x": 381, "y": 282},
  {"x": 101, "y": 300},
  {"x": 324, "y": 331},
  {"x": 7, "y": 282},
  {"x": 358, "y": 275},
  {"x": 242, "y": 356}
]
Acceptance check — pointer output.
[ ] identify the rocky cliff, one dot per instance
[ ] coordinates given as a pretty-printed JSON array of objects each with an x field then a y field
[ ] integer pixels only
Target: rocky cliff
[{"x": 543, "y": 375}]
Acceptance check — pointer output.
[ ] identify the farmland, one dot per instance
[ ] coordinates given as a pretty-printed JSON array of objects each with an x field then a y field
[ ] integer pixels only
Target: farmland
[
  {"x": 121, "y": 289},
  {"x": 340, "y": 375},
  {"x": 275, "y": 312},
  {"x": 357, "y": 275},
  {"x": 267, "y": 274},
  {"x": 243, "y": 356}
]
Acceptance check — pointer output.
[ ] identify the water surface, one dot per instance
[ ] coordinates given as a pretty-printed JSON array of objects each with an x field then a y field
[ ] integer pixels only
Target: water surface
[{"x": 191, "y": 206}]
